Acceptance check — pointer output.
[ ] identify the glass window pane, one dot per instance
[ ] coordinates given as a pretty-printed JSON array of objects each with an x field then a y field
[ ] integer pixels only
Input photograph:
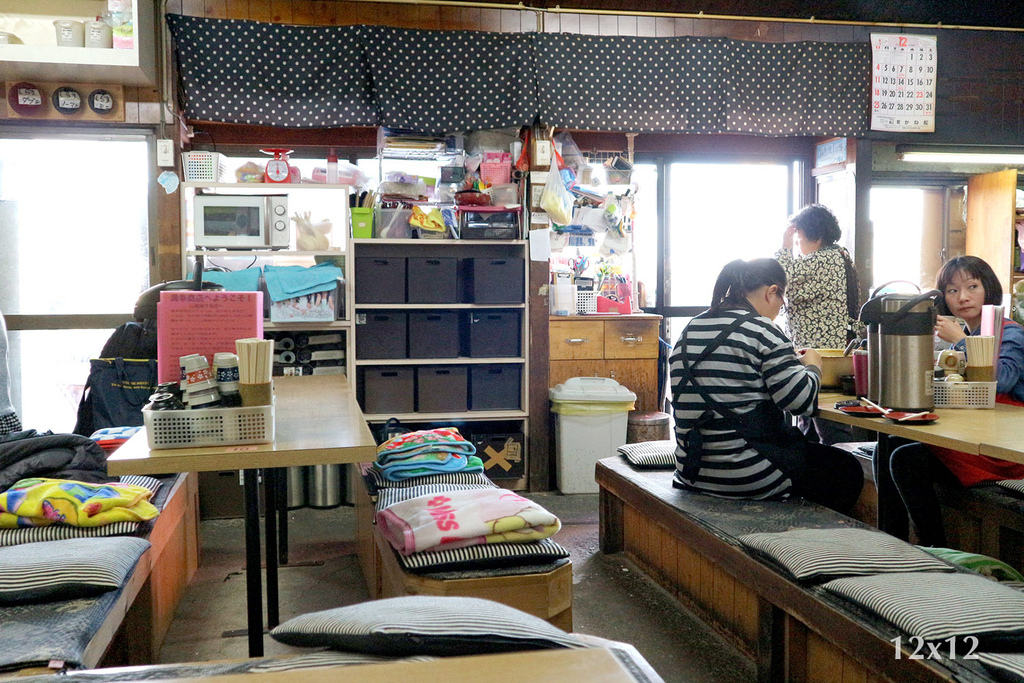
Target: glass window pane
[
  {"x": 717, "y": 213},
  {"x": 645, "y": 229},
  {"x": 48, "y": 373},
  {"x": 77, "y": 242},
  {"x": 897, "y": 215}
]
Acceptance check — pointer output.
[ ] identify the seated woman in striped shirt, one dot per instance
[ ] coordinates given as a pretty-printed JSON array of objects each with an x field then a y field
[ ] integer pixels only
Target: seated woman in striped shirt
[{"x": 733, "y": 373}]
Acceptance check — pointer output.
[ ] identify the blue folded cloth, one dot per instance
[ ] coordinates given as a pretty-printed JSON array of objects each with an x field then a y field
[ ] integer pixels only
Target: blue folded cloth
[
  {"x": 287, "y": 282},
  {"x": 247, "y": 280}
]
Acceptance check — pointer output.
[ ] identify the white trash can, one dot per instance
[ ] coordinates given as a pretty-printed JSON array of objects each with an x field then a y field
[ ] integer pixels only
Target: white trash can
[{"x": 591, "y": 415}]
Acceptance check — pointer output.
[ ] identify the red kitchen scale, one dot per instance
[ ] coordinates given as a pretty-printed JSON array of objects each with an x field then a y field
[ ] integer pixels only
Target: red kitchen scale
[{"x": 277, "y": 170}]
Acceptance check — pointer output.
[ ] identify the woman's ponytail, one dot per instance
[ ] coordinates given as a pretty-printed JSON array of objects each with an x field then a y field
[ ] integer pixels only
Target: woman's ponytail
[{"x": 739, "y": 278}]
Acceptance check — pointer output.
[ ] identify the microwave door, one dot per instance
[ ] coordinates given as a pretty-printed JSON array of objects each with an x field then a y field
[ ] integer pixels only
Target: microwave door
[{"x": 231, "y": 227}]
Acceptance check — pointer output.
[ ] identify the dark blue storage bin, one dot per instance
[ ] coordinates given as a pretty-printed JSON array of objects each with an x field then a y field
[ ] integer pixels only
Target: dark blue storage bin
[
  {"x": 442, "y": 389},
  {"x": 381, "y": 334},
  {"x": 434, "y": 280},
  {"x": 495, "y": 387},
  {"x": 387, "y": 390},
  {"x": 433, "y": 334},
  {"x": 380, "y": 280},
  {"x": 494, "y": 280},
  {"x": 493, "y": 334}
]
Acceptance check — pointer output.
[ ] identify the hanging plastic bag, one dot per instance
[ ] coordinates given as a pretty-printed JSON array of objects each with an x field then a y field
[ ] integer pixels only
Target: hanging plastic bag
[{"x": 556, "y": 200}]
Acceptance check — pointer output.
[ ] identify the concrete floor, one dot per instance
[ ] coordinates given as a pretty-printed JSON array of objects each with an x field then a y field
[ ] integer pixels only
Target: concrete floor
[{"x": 611, "y": 598}]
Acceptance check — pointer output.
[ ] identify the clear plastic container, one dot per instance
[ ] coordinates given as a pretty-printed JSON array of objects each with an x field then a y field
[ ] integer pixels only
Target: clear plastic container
[{"x": 392, "y": 223}]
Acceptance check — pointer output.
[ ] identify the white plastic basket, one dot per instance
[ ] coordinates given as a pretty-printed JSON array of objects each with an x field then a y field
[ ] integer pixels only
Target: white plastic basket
[
  {"x": 965, "y": 394},
  {"x": 586, "y": 302},
  {"x": 204, "y": 167},
  {"x": 209, "y": 427}
]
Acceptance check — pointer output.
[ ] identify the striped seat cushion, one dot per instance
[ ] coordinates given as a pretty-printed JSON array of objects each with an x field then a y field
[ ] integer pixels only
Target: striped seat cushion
[
  {"x": 64, "y": 570},
  {"x": 376, "y": 481},
  {"x": 60, "y": 532},
  {"x": 937, "y": 606},
  {"x": 424, "y": 625},
  {"x": 653, "y": 455},
  {"x": 1013, "y": 485},
  {"x": 817, "y": 554},
  {"x": 1006, "y": 667},
  {"x": 487, "y": 556}
]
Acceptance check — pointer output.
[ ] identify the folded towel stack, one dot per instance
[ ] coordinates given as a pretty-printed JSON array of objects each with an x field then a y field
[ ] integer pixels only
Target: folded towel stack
[
  {"x": 458, "y": 519},
  {"x": 429, "y": 451}
]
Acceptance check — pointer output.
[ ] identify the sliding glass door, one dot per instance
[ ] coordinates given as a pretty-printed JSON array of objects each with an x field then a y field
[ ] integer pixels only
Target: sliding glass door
[{"x": 74, "y": 256}]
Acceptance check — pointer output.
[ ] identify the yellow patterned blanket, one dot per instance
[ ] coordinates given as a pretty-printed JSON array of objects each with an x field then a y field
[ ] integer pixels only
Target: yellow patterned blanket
[{"x": 41, "y": 502}]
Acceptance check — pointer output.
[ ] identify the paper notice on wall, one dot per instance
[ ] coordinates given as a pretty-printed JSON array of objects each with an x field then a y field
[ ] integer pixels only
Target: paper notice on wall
[
  {"x": 204, "y": 323},
  {"x": 903, "y": 78}
]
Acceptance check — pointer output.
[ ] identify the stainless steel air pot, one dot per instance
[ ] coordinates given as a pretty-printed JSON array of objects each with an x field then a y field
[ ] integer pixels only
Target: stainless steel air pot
[
  {"x": 871, "y": 316},
  {"x": 906, "y": 351}
]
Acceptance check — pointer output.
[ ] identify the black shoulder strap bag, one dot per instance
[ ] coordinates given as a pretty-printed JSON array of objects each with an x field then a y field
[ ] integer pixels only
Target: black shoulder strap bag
[{"x": 764, "y": 428}]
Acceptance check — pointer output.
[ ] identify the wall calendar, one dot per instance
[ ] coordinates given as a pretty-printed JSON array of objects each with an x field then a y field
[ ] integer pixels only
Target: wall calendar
[{"x": 903, "y": 78}]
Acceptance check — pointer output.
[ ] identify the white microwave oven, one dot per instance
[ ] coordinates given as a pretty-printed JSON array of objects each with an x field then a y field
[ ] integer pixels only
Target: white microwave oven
[{"x": 223, "y": 221}]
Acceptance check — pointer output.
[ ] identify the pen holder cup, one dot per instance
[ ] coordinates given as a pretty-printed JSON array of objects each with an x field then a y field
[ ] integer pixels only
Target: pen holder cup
[{"x": 256, "y": 394}]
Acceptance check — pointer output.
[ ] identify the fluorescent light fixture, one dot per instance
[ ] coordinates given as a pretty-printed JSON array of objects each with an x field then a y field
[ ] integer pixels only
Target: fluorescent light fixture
[{"x": 945, "y": 156}]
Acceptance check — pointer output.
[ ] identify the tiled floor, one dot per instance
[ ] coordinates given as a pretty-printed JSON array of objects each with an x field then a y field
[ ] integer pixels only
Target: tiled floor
[{"x": 611, "y": 598}]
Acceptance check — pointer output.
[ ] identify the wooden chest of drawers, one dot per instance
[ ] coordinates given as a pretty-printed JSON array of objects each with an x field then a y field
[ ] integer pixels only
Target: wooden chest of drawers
[{"x": 624, "y": 348}]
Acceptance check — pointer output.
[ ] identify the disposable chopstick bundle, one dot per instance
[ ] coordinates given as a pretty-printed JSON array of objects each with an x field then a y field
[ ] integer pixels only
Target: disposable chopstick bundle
[{"x": 255, "y": 360}]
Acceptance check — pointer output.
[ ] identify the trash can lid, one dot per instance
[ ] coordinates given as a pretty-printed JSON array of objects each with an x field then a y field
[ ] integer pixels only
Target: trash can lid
[{"x": 596, "y": 389}]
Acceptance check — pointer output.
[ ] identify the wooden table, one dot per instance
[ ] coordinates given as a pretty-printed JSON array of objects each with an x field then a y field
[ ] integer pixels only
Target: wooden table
[
  {"x": 317, "y": 422},
  {"x": 995, "y": 433}
]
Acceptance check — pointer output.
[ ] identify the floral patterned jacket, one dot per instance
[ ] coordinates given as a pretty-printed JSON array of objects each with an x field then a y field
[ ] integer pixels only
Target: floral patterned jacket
[{"x": 816, "y": 314}]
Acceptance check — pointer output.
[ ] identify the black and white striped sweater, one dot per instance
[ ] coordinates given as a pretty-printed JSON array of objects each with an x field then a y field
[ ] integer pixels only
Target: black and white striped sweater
[{"x": 756, "y": 362}]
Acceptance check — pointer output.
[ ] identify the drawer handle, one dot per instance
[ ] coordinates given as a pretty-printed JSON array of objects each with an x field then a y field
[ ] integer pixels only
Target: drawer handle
[
  {"x": 632, "y": 339},
  {"x": 577, "y": 341}
]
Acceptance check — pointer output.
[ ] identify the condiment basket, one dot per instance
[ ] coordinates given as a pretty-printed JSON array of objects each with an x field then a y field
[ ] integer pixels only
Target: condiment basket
[{"x": 209, "y": 427}]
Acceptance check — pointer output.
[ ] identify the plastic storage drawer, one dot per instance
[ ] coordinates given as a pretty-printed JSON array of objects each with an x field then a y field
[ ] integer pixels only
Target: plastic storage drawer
[
  {"x": 493, "y": 334},
  {"x": 381, "y": 334},
  {"x": 380, "y": 280},
  {"x": 442, "y": 389},
  {"x": 387, "y": 390},
  {"x": 434, "y": 280},
  {"x": 433, "y": 334},
  {"x": 495, "y": 280},
  {"x": 495, "y": 387}
]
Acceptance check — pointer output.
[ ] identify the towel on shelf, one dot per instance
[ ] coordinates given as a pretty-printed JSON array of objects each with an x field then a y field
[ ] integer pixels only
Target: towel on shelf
[
  {"x": 458, "y": 519},
  {"x": 41, "y": 502},
  {"x": 441, "y": 440},
  {"x": 245, "y": 280},
  {"x": 423, "y": 464},
  {"x": 288, "y": 282}
]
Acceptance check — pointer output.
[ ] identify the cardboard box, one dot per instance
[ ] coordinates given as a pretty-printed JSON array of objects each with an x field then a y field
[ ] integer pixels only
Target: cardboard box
[{"x": 502, "y": 455}]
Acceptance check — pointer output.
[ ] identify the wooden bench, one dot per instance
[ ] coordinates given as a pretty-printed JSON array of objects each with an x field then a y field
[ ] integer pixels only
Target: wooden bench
[
  {"x": 138, "y": 618},
  {"x": 687, "y": 543},
  {"x": 545, "y": 594}
]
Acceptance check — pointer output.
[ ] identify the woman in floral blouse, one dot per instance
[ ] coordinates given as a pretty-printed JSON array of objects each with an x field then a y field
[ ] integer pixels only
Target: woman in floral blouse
[{"x": 822, "y": 296}]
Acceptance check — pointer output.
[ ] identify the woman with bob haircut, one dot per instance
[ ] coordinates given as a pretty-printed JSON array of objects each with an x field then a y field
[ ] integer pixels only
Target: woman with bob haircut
[{"x": 967, "y": 283}]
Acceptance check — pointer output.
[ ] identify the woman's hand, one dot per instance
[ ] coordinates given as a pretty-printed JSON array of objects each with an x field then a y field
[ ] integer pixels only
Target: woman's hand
[
  {"x": 787, "y": 237},
  {"x": 809, "y": 357},
  {"x": 948, "y": 330}
]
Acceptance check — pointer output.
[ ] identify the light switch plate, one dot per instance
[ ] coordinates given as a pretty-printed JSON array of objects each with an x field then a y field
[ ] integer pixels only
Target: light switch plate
[{"x": 165, "y": 153}]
